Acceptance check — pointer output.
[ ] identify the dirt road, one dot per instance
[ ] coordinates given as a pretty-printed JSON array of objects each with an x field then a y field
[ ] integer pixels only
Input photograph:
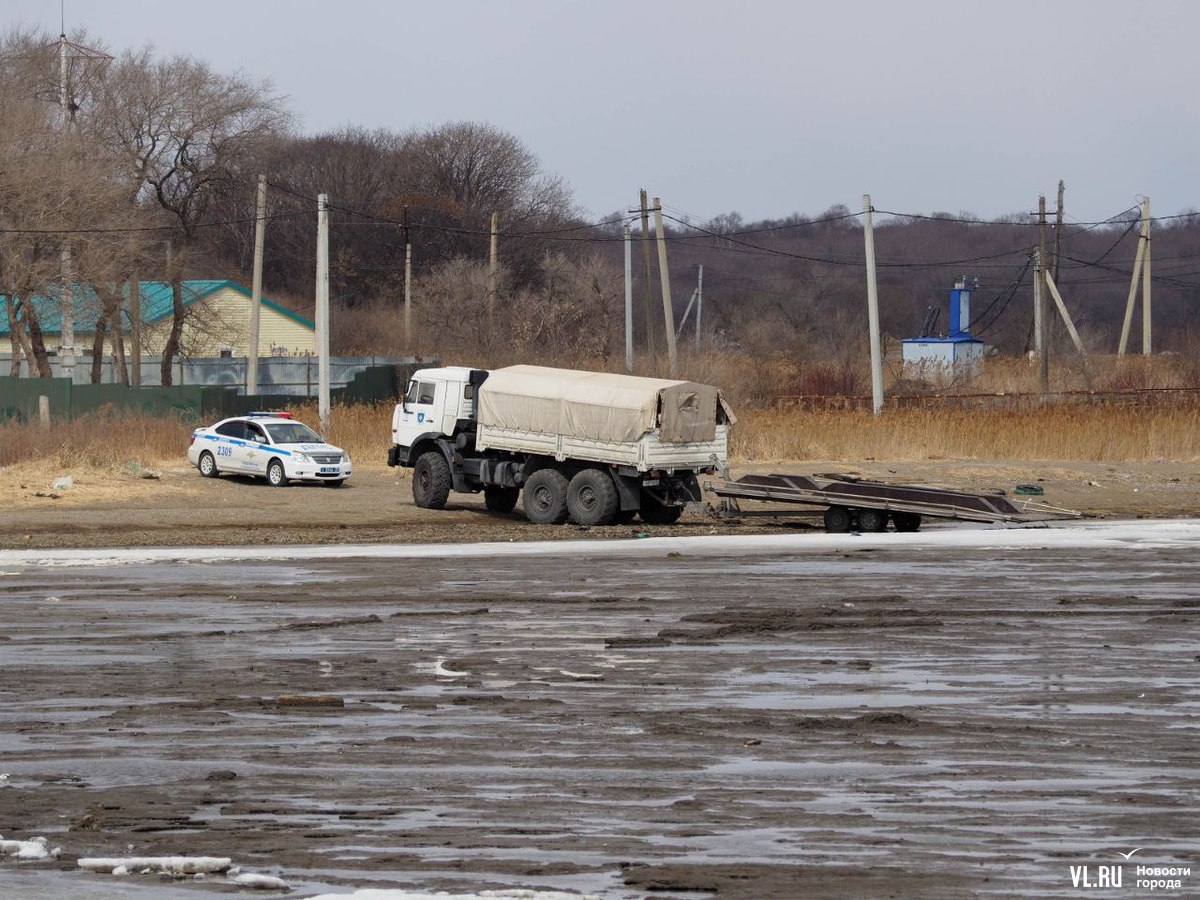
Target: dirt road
[{"x": 177, "y": 506}]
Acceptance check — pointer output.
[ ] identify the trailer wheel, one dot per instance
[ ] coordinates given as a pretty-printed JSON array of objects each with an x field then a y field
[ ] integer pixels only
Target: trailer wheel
[
  {"x": 872, "y": 519},
  {"x": 500, "y": 499},
  {"x": 592, "y": 498},
  {"x": 655, "y": 513},
  {"x": 907, "y": 521},
  {"x": 546, "y": 497},
  {"x": 431, "y": 480},
  {"x": 838, "y": 520}
]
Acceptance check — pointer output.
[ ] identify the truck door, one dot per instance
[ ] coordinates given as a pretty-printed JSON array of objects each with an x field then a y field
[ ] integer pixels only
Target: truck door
[{"x": 420, "y": 411}]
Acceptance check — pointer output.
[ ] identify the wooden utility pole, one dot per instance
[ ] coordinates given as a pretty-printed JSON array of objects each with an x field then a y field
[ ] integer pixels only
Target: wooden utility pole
[
  {"x": 322, "y": 313},
  {"x": 407, "y": 285},
  {"x": 648, "y": 299},
  {"x": 260, "y": 242},
  {"x": 1138, "y": 261},
  {"x": 665, "y": 276},
  {"x": 135, "y": 331},
  {"x": 493, "y": 261},
  {"x": 873, "y": 309},
  {"x": 628, "y": 300},
  {"x": 1039, "y": 300}
]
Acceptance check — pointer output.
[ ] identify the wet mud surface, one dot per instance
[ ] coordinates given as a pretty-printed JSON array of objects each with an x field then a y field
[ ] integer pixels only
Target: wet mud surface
[{"x": 892, "y": 723}]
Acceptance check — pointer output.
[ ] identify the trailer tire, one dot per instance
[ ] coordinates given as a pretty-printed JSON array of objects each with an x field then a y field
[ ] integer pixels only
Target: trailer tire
[
  {"x": 838, "y": 520},
  {"x": 500, "y": 499},
  {"x": 431, "y": 480},
  {"x": 872, "y": 520},
  {"x": 655, "y": 513},
  {"x": 592, "y": 498},
  {"x": 546, "y": 497},
  {"x": 907, "y": 521}
]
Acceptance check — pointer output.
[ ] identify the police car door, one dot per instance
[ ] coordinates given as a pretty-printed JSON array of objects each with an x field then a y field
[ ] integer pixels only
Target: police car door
[
  {"x": 255, "y": 453},
  {"x": 231, "y": 456}
]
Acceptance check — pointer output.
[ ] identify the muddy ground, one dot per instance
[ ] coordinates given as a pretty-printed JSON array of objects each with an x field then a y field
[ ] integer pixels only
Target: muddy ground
[
  {"x": 842, "y": 723},
  {"x": 917, "y": 722},
  {"x": 176, "y": 506}
]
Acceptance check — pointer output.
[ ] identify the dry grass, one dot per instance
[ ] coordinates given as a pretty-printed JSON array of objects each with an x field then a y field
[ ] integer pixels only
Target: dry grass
[
  {"x": 123, "y": 443},
  {"x": 1097, "y": 434}
]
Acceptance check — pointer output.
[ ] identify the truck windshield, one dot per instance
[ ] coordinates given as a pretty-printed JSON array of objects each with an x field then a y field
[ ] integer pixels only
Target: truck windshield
[{"x": 293, "y": 433}]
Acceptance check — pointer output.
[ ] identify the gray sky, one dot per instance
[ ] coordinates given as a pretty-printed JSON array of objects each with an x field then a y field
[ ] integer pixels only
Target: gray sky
[{"x": 766, "y": 107}]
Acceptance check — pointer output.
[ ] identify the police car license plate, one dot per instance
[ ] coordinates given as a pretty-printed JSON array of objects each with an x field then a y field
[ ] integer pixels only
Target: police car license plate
[{"x": 328, "y": 470}]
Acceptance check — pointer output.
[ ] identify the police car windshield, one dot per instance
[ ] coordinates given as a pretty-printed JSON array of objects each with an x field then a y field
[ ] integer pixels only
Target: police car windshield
[{"x": 293, "y": 433}]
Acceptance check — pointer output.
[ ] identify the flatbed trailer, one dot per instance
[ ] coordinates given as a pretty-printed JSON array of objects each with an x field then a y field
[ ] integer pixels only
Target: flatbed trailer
[{"x": 853, "y": 503}]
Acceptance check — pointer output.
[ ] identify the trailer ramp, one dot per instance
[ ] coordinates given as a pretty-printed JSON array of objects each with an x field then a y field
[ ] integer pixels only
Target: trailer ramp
[{"x": 855, "y": 503}]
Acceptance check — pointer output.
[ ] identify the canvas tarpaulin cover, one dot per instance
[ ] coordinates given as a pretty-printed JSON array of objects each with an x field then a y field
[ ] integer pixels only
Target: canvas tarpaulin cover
[{"x": 597, "y": 405}]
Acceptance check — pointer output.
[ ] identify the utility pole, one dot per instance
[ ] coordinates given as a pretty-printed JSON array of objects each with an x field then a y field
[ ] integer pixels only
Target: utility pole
[
  {"x": 323, "y": 312},
  {"x": 407, "y": 285},
  {"x": 665, "y": 275},
  {"x": 1146, "y": 279},
  {"x": 1138, "y": 260},
  {"x": 67, "y": 335},
  {"x": 1058, "y": 222},
  {"x": 628, "y": 300},
  {"x": 135, "y": 331},
  {"x": 699, "y": 304},
  {"x": 260, "y": 241},
  {"x": 492, "y": 258},
  {"x": 873, "y": 308},
  {"x": 648, "y": 300},
  {"x": 1039, "y": 300}
]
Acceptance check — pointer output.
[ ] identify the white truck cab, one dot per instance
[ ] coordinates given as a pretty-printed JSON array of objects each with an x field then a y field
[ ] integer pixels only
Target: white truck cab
[{"x": 436, "y": 402}]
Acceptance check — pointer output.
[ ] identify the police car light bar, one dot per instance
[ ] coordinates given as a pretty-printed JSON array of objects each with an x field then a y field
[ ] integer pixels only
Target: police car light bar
[{"x": 271, "y": 415}]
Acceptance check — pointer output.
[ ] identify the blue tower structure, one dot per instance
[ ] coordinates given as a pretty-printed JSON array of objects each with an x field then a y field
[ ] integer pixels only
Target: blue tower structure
[{"x": 957, "y": 349}]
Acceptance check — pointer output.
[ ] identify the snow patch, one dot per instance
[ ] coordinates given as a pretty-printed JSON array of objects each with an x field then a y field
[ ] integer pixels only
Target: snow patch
[
  {"x": 34, "y": 848},
  {"x": 147, "y": 865}
]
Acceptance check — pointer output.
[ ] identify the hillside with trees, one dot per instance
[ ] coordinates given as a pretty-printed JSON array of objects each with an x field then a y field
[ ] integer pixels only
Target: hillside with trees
[{"x": 146, "y": 167}]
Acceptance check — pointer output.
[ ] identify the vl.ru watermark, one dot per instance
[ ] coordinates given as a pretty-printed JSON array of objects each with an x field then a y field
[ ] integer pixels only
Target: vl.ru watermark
[{"x": 1126, "y": 875}]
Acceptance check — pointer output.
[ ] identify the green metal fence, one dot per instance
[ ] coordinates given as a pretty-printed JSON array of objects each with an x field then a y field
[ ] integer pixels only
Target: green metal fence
[{"x": 19, "y": 396}]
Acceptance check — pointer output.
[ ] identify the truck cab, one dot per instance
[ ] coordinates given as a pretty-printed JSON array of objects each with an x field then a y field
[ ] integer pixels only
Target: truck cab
[{"x": 437, "y": 403}]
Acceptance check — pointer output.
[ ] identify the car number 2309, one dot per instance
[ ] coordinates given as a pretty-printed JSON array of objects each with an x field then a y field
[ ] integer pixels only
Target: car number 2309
[{"x": 224, "y": 450}]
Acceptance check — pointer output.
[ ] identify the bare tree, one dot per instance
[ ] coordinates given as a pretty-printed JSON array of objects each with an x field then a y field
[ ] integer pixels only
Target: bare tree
[{"x": 184, "y": 133}]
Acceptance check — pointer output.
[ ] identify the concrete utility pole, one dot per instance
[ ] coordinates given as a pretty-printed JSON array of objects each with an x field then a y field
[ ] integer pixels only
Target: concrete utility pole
[
  {"x": 323, "y": 312},
  {"x": 1058, "y": 217},
  {"x": 1039, "y": 300},
  {"x": 1138, "y": 260},
  {"x": 66, "y": 360},
  {"x": 665, "y": 276},
  {"x": 260, "y": 240},
  {"x": 873, "y": 309},
  {"x": 135, "y": 331},
  {"x": 407, "y": 285},
  {"x": 699, "y": 304},
  {"x": 1146, "y": 349},
  {"x": 1066, "y": 316},
  {"x": 493, "y": 261},
  {"x": 628, "y": 300},
  {"x": 648, "y": 300}
]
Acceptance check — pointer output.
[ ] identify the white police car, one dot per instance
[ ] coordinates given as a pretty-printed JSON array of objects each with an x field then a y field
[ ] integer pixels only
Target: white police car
[{"x": 271, "y": 445}]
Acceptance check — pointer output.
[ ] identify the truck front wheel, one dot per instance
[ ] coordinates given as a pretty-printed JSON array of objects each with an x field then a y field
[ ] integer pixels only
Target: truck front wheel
[
  {"x": 592, "y": 498},
  {"x": 431, "y": 480},
  {"x": 500, "y": 499},
  {"x": 546, "y": 497}
]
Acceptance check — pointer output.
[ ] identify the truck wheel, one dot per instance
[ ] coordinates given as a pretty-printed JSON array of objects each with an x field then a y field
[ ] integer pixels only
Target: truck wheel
[
  {"x": 655, "y": 513},
  {"x": 546, "y": 497},
  {"x": 907, "y": 521},
  {"x": 838, "y": 520},
  {"x": 500, "y": 499},
  {"x": 624, "y": 516},
  {"x": 872, "y": 520},
  {"x": 592, "y": 498},
  {"x": 431, "y": 480}
]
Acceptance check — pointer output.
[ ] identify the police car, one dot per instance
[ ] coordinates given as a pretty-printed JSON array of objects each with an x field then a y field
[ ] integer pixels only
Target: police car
[{"x": 271, "y": 445}]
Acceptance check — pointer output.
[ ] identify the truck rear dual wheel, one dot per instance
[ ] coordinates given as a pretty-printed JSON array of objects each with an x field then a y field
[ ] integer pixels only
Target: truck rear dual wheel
[
  {"x": 500, "y": 499},
  {"x": 431, "y": 480},
  {"x": 546, "y": 497},
  {"x": 592, "y": 498}
]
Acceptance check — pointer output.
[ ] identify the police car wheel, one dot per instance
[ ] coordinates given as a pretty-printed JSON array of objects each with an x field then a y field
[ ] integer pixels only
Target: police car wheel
[
  {"x": 275, "y": 474},
  {"x": 207, "y": 465}
]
